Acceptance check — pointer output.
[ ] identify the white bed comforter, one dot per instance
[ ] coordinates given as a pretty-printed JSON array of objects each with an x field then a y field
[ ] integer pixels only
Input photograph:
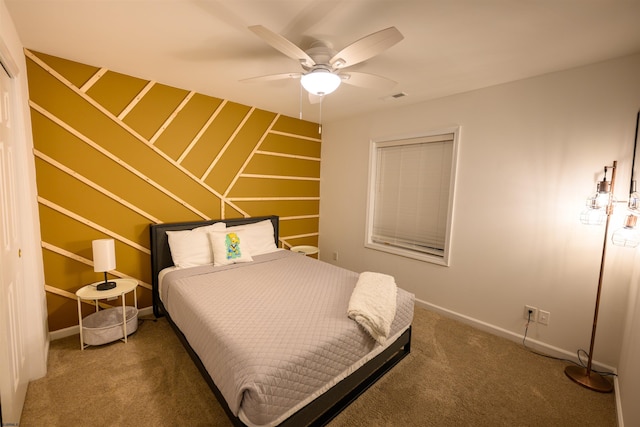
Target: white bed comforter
[{"x": 274, "y": 333}]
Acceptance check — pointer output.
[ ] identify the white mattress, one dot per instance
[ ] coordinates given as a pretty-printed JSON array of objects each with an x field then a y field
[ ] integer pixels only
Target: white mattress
[{"x": 274, "y": 333}]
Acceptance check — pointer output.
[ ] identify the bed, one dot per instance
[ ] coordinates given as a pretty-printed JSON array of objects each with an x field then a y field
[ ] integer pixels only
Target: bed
[{"x": 247, "y": 328}]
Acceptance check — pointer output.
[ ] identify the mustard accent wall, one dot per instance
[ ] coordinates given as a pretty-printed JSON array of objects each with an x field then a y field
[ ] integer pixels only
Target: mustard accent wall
[{"x": 114, "y": 153}]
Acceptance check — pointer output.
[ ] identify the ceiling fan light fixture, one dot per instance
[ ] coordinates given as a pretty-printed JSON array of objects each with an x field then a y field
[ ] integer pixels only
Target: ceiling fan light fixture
[{"x": 320, "y": 82}]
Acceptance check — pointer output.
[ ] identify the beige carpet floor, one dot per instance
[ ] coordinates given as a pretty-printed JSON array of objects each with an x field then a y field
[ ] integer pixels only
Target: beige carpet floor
[{"x": 454, "y": 376}]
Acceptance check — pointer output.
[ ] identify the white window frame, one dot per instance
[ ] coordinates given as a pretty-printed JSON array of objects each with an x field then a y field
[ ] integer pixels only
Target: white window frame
[{"x": 442, "y": 258}]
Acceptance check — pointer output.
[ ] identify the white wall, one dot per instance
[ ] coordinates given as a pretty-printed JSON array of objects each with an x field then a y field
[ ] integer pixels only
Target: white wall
[
  {"x": 629, "y": 368},
  {"x": 530, "y": 153}
]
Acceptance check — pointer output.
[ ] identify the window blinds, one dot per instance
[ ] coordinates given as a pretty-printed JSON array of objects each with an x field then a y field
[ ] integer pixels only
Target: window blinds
[{"x": 412, "y": 192}]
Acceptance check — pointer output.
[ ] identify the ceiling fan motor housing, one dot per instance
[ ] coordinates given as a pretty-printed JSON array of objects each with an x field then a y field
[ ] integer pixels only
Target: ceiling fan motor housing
[{"x": 321, "y": 55}]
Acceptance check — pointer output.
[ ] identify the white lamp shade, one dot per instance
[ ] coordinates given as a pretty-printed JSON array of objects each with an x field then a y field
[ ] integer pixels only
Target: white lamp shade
[
  {"x": 627, "y": 237},
  {"x": 593, "y": 216},
  {"x": 320, "y": 82},
  {"x": 104, "y": 255}
]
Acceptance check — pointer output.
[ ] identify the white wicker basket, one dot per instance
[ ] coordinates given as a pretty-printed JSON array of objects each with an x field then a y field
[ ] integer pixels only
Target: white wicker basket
[{"x": 105, "y": 326}]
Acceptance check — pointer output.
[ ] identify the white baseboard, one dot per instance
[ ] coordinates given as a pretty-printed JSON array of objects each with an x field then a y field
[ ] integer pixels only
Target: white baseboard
[
  {"x": 616, "y": 390},
  {"x": 75, "y": 330},
  {"x": 495, "y": 330}
]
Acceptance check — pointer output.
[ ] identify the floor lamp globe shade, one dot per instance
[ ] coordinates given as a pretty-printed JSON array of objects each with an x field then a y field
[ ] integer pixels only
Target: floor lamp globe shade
[
  {"x": 104, "y": 255},
  {"x": 600, "y": 199},
  {"x": 627, "y": 236},
  {"x": 593, "y": 216}
]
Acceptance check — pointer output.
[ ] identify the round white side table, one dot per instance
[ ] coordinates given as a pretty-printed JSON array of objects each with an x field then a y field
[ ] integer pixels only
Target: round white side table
[
  {"x": 305, "y": 249},
  {"x": 90, "y": 292}
]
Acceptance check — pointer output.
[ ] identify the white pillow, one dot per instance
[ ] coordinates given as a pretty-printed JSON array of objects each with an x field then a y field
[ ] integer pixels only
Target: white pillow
[
  {"x": 191, "y": 248},
  {"x": 259, "y": 235},
  {"x": 229, "y": 247}
]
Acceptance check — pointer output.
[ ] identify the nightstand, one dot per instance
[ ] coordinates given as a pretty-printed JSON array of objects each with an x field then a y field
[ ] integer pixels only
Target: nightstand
[
  {"x": 304, "y": 249},
  {"x": 109, "y": 324}
]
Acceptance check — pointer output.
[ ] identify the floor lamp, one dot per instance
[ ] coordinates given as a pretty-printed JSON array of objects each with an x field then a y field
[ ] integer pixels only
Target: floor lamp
[{"x": 602, "y": 199}]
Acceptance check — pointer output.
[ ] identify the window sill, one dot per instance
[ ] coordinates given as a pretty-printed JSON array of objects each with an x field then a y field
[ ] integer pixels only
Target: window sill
[{"x": 420, "y": 256}]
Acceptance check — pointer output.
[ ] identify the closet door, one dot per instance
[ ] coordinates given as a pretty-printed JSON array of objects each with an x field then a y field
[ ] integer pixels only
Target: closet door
[{"x": 13, "y": 381}]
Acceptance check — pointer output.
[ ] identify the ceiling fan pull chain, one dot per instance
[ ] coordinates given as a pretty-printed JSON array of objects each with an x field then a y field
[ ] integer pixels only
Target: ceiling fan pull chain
[
  {"x": 300, "y": 116},
  {"x": 320, "y": 121}
]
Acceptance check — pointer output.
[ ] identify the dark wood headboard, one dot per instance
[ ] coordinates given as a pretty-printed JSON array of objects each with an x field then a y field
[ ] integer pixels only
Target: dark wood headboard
[{"x": 161, "y": 254}]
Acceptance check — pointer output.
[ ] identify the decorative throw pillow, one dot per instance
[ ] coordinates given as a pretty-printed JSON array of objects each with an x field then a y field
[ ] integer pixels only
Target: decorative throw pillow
[
  {"x": 229, "y": 247},
  {"x": 191, "y": 248},
  {"x": 259, "y": 236}
]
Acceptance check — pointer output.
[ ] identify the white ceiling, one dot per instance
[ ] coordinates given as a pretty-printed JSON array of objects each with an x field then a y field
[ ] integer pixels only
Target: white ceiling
[{"x": 450, "y": 46}]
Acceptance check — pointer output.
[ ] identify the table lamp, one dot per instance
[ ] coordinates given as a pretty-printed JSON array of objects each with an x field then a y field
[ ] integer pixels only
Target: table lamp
[{"x": 104, "y": 259}]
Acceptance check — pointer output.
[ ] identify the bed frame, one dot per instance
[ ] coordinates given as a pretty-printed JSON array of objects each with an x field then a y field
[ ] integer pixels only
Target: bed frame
[{"x": 321, "y": 410}]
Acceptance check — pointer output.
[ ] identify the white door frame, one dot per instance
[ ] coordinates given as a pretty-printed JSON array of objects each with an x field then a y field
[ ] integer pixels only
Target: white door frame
[{"x": 23, "y": 333}]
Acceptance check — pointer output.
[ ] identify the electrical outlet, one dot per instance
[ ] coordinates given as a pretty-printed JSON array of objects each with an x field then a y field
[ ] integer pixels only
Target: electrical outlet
[
  {"x": 533, "y": 317},
  {"x": 335, "y": 256},
  {"x": 543, "y": 317}
]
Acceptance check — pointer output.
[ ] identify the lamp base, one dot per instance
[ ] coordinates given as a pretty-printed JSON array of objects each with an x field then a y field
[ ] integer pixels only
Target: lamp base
[
  {"x": 593, "y": 381},
  {"x": 105, "y": 286}
]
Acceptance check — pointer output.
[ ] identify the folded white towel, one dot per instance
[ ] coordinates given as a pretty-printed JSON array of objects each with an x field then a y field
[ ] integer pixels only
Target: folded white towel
[{"x": 373, "y": 304}]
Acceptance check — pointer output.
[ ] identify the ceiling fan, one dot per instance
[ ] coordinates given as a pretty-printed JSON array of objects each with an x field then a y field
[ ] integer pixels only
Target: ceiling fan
[{"x": 323, "y": 67}]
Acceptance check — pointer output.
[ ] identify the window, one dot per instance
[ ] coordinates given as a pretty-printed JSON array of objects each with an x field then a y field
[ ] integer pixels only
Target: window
[{"x": 411, "y": 183}]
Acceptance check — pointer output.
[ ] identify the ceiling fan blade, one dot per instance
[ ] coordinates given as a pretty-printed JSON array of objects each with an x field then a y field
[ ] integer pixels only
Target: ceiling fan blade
[
  {"x": 272, "y": 77},
  {"x": 282, "y": 44},
  {"x": 367, "y": 80},
  {"x": 367, "y": 47}
]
